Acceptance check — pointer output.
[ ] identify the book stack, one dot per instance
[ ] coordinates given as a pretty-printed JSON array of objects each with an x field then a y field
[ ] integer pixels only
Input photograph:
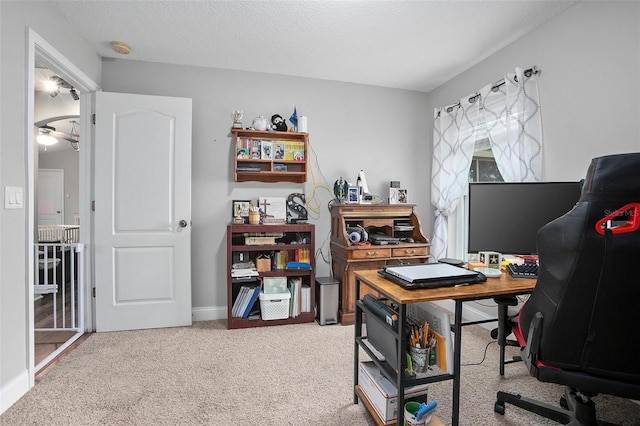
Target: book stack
[
  {"x": 280, "y": 259},
  {"x": 300, "y": 297},
  {"x": 243, "y": 304},
  {"x": 244, "y": 273},
  {"x": 301, "y": 255}
]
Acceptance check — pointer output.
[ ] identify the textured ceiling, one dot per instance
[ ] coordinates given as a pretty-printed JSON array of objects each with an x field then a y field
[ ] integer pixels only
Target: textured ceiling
[{"x": 413, "y": 45}]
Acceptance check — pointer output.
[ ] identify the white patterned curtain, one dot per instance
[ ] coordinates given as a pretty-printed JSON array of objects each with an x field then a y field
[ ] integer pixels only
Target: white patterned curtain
[
  {"x": 512, "y": 116},
  {"x": 454, "y": 137}
]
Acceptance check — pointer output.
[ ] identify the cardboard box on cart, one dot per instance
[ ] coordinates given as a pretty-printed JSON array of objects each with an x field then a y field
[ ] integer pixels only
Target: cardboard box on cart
[{"x": 383, "y": 395}]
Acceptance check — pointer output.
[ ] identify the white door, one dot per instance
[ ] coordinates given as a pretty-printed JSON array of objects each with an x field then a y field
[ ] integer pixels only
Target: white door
[
  {"x": 142, "y": 211},
  {"x": 50, "y": 194}
]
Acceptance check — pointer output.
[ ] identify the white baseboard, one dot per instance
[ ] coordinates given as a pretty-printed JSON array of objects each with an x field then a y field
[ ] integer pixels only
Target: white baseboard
[
  {"x": 13, "y": 391},
  {"x": 209, "y": 313}
]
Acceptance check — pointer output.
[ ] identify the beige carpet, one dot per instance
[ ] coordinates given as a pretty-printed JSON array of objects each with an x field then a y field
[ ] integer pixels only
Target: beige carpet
[{"x": 286, "y": 375}]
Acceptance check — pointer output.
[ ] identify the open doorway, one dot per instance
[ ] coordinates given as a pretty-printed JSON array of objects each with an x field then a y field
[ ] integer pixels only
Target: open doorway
[
  {"x": 58, "y": 287},
  {"x": 60, "y": 119}
]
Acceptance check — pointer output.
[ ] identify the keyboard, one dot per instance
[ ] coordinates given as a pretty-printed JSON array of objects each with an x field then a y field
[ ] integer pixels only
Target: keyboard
[{"x": 525, "y": 270}]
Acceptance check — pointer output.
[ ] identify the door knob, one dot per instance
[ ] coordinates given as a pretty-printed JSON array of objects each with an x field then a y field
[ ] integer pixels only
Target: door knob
[{"x": 182, "y": 223}]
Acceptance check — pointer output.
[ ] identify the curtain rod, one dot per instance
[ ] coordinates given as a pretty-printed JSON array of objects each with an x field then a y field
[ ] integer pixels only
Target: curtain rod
[{"x": 527, "y": 73}]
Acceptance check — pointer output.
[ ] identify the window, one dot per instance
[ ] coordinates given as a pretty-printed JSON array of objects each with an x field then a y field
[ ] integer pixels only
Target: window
[{"x": 483, "y": 166}]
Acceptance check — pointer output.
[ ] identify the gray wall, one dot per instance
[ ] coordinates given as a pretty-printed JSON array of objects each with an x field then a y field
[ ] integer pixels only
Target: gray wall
[
  {"x": 351, "y": 127},
  {"x": 15, "y": 18},
  {"x": 589, "y": 87}
]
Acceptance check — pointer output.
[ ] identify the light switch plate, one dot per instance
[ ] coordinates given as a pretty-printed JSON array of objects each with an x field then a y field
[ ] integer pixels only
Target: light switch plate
[{"x": 13, "y": 197}]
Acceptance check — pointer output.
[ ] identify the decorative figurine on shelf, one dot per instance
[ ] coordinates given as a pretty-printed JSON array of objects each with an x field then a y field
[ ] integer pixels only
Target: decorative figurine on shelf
[
  {"x": 237, "y": 116},
  {"x": 340, "y": 190},
  {"x": 294, "y": 119},
  {"x": 260, "y": 123},
  {"x": 296, "y": 206},
  {"x": 278, "y": 123}
]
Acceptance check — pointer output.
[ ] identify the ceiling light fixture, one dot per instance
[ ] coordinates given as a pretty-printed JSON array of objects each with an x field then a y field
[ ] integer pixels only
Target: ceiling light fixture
[
  {"x": 120, "y": 47},
  {"x": 52, "y": 86},
  {"x": 55, "y": 83},
  {"x": 44, "y": 136}
]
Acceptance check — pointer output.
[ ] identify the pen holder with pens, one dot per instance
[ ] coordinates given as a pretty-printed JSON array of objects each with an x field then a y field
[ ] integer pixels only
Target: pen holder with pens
[{"x": 419, "y": 358}]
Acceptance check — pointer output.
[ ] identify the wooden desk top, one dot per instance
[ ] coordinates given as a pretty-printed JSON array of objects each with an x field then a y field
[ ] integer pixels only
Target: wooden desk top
[{"x": 505, "y": 284}]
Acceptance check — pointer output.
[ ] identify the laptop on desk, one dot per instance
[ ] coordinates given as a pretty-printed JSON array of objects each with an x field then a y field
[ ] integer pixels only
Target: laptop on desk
[{"x": 430, "y": 275}]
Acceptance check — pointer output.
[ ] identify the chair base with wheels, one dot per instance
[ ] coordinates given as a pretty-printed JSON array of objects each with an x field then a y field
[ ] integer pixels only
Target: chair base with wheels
[{"x": 575, "y": 408}]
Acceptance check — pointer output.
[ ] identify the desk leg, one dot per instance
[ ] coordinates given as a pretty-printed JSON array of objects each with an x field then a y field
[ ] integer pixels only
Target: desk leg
[
  {"x": 457, "y": 346},
  {"x": 358, "y": 333},
  {"x": 402, "y": 361},
  {"x": 502, "y": 339}
]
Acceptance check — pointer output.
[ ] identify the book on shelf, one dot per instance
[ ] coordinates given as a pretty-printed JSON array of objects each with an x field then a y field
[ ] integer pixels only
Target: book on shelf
[
  {"x": 237, "y": 304},
  {"x": 243, "y": 148},
  {"x": 304, "y": 266},
  {"x": 256, "y": 149},
  {"x": 252, "y": 301},
  {"x": 245, "y": 301},
  {"x": 267, "y": 150},
  {"x": 301, "y": 255},
  {"x": 280, "y": 259},
  {"x": 294, "y": 150},
  {"x": 295, "y": 304},
  {"x": 243, "y": 153},
  {"x": 278, "y": 150},
  {"x": 245, "y": 272},
  {"x": 306, "y": 298}
]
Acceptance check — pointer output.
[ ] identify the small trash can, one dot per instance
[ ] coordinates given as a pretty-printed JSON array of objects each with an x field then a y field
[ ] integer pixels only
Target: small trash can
[{"x": 327, "y": 291}]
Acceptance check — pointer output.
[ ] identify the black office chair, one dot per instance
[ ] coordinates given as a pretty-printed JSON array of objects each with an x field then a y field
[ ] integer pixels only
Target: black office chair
[{"x": 581, "y": 325}]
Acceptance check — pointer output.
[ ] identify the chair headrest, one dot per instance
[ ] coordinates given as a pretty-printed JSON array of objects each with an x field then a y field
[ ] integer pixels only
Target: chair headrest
[{"x": 614, "y": 174}]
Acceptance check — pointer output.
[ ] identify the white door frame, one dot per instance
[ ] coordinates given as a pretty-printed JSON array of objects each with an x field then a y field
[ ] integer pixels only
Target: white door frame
[{"x": 50, "y": 57}]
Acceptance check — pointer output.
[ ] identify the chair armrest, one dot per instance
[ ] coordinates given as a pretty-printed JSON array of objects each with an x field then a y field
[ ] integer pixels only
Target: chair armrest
[{"x": 530, "y": 351}]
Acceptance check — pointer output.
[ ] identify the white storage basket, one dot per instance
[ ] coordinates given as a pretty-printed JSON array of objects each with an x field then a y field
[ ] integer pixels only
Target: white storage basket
[{"x": 275, "y": 305}]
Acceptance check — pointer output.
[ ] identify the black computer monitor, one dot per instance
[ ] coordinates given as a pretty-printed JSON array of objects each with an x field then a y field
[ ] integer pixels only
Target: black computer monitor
[{"x": 505, "y": 217}]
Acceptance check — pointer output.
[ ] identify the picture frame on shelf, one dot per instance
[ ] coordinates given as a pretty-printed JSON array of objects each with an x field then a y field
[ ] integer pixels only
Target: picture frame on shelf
[
  {"x": 274, "y": 209},
  {"x": 403, "y": 197},
  {"x": 240, "y": 211},
  {"x": 353, "y": 195}
]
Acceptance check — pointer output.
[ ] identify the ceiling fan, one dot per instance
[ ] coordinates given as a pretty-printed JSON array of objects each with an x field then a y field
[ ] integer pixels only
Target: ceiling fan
[{"x": 48, "y": 135}]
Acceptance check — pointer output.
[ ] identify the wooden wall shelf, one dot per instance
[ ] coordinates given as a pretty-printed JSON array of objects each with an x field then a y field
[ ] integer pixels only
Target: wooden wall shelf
[{"x": 287, "y": 156}]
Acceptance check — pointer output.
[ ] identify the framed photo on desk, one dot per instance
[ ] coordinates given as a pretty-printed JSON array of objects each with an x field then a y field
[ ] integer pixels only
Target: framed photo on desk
[
  {"x": 353, "y": 195},
  {"x": 240, "y": 208}
]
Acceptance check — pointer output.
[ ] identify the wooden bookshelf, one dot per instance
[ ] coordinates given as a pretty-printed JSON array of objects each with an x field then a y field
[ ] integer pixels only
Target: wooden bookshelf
[{"x": 295, "y": 238}]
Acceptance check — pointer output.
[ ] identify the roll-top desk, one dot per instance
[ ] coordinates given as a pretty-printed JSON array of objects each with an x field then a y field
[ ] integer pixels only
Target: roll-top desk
[{"x": 347, "y": 257}]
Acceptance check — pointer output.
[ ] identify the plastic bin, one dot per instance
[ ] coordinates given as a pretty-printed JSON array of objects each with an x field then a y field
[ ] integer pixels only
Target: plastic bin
[{"x": 275, "y": 305}]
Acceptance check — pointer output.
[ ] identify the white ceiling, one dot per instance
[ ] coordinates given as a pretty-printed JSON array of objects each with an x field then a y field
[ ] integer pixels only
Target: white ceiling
[{"x": 412, "y": 45}]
